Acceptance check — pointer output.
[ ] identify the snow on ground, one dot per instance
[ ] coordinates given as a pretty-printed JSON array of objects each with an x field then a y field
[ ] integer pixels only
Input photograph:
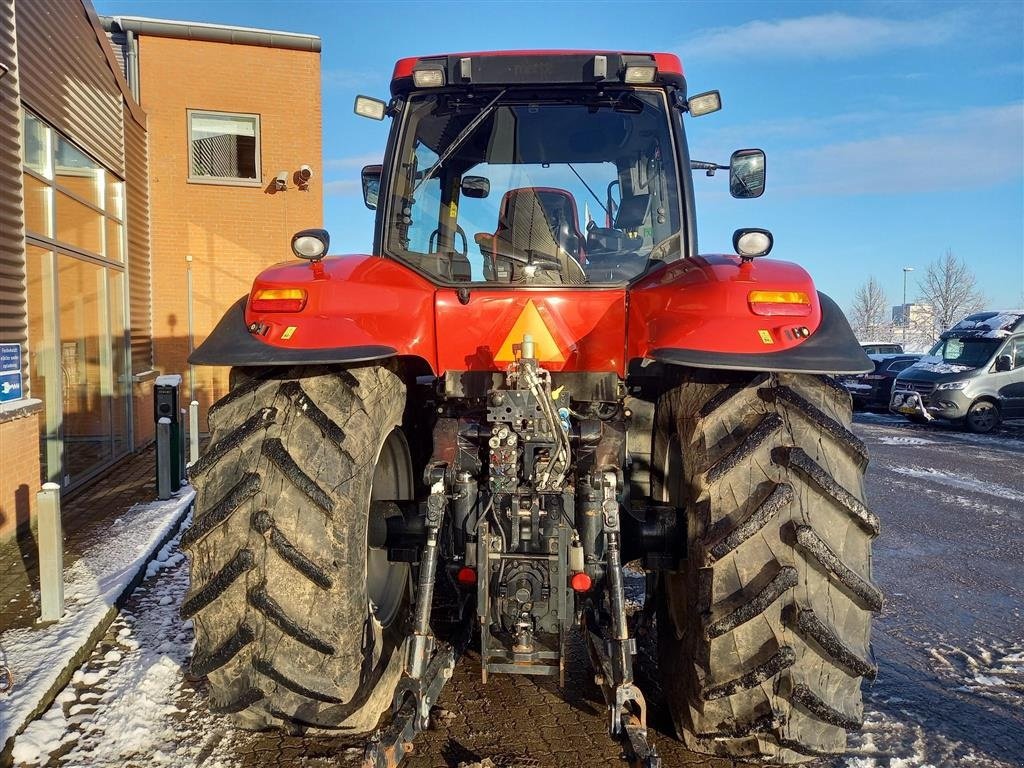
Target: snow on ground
[
  {"x": 961, "y": 481},
  {"x": 994, "y": 670},
  {"x": 900, "y": 440},
  {"x": 124, "y": 705},
  {"x": 38, "y": 655},
  {"x": 890, "y": 742}
]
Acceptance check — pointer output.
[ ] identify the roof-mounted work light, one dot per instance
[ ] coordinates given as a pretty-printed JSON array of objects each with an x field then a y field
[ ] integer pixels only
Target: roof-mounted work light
[
  {"x": 704, "y": 103},
  {"x": 428, "y": 78},
  {"x": 370, "y": 107},
  {"x": 640, "y": 73}
]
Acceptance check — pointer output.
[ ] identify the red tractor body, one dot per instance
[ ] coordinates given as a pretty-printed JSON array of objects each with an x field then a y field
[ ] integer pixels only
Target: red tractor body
[{"x": 705, "y": 305}]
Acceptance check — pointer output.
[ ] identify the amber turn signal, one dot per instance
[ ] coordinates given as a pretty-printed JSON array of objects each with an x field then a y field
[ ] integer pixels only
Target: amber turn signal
[
  {"x": 278, "y": 300},
  {"x": 788, "y": 303}
]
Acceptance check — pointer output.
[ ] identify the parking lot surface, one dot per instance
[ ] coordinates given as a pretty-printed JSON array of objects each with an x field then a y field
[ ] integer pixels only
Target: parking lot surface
[{"x": 949, "y": 645}]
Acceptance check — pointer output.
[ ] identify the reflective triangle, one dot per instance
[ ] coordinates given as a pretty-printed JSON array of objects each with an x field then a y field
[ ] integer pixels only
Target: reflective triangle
[{"x": 530, "y": 321}]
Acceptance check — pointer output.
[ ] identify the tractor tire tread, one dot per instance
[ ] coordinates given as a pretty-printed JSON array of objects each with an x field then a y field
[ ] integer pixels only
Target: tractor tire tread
[
  {"x": 764, "y": 637},
  {"x": 277, "y": 550}
]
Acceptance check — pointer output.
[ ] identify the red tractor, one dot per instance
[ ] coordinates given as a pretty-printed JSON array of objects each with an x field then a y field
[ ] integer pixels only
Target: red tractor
[{"x": 509, "y": 400}]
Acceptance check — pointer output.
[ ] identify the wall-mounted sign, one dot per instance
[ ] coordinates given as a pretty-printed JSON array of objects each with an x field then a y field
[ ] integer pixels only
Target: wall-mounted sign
[{"x": 10, "y": 372}]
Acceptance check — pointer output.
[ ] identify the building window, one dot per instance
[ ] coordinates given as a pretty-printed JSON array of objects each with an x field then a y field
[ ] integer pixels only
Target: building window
[
  {"x": 78, "y": 359},
  {"x": 71, "y": 201},
  {"x": 224, "y": 148}
]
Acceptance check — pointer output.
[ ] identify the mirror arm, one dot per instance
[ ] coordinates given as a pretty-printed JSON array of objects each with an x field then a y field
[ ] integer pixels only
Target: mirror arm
[{"x": 700, "y": 165}]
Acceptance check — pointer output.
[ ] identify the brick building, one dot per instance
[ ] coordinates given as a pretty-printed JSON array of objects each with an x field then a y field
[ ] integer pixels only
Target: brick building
[
  {"x": 139, "y": 165},
  {"x": 218, "y": 210}
]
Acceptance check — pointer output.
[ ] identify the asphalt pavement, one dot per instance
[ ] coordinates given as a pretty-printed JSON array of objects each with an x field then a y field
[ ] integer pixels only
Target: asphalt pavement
[{"x": 949, "y": 646}]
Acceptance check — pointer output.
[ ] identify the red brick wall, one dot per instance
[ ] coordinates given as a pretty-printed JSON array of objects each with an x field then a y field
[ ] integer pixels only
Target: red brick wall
[
  {"x": 231, "y": 232},
  {"x": 19, "y": 479}
]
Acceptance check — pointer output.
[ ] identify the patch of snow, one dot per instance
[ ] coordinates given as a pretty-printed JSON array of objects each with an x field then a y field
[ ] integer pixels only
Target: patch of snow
[
  {"x": 38, "y": 655},
  {"x": 898, "y": 440},
  {"x": 991, "y": 325},
  {"x": 988, "y": 680},
  {"x": 961, "y": 481},
  {"x": 935, "y": 364}
]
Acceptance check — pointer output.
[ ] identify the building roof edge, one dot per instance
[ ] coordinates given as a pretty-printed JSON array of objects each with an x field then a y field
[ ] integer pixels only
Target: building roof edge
[{"x": 211, "y": 33}]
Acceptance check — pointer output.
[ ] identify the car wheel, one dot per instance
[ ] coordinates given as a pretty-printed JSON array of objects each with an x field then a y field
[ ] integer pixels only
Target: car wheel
[{"x": 982, "y": 417}]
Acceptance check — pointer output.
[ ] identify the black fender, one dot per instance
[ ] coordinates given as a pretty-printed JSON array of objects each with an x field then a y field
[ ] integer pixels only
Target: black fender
[
  {"x": 831, "y": 349},
  {"x": 232, "y": 344}
]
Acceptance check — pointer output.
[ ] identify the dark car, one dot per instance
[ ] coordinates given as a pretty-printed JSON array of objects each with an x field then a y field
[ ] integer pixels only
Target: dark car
[
  {"x": 872, "y": 390},
  {"x": 881, "y": 348}
]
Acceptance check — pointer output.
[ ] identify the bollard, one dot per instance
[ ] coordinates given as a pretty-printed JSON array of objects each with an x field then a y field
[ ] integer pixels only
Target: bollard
[
  {"x": 178, "y": 435},
  {"x": 51, "y": 554},
  {"x": 193, "y": 432},
  {"x": 163, "y": 459}
]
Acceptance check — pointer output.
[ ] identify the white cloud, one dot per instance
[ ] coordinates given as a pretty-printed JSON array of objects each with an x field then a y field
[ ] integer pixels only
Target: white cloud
[
  {"x": 831, "y": 35},
  {"x": 341, "y": 187},
  {"x": 972, "y": 148}
]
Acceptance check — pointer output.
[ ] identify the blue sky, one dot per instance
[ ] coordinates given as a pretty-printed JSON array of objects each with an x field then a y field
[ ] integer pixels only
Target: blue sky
[{"x": 894, "y": 130}]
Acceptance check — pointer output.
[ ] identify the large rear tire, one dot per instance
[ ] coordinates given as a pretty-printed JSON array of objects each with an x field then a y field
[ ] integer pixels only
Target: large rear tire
[
  {"x": 298, "y": 623},
  {"x": 764, "y": 633}
]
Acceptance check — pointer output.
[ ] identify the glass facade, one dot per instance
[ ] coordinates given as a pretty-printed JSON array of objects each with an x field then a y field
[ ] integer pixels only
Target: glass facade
[{"x": 78, "y": 345}]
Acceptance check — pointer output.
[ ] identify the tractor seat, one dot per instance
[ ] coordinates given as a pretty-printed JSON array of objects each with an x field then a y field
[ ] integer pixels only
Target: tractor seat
[{"x": 536, "y": 225}]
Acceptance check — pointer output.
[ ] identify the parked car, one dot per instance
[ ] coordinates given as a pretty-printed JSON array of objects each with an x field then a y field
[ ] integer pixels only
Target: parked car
[
  {"x": 872, "y": 391},
  {"x": 881, "y": 348},
  {"x": 974, "y": 375}
]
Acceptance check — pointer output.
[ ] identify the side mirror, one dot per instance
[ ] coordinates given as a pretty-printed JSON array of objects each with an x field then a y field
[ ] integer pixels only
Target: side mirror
[
  {"x": 476, "y": 187},
  {"x": 746, "y": 173},
  {"x": 751, "y": 243},
  {"x": 311, "y": 244},
  {"x": 371, "y": 185},
  {"x": 1004, "y": 363}
]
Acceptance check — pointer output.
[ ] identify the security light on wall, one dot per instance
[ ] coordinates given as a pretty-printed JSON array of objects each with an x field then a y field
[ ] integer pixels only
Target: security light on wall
[{"x": 281, "y": 181}]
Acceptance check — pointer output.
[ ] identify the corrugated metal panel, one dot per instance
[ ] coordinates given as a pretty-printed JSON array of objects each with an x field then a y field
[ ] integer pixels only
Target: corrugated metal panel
[
  {"x": 140, "y": 294},
  {"x": 119, "y": 41},
  {"x": 67, "y": 78},
  {"x": 13, "y": 318}
]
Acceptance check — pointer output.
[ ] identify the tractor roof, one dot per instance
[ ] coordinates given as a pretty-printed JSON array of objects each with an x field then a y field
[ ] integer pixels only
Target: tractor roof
[{"x": 498, "y": 68}]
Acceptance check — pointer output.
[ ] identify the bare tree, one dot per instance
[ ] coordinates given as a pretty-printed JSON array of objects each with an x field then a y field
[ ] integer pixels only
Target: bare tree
[
  {"x": 868, "y": 315},
  {"x": 949, "y": 286}
]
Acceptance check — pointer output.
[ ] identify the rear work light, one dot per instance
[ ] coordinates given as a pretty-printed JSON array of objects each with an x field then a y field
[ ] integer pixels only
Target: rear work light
[
  {"x": 278, "y": 300},
  {"x": 641, "y": 73},
  {"x": 428, "y": 78},
  {"x": 788, "y": 303}
]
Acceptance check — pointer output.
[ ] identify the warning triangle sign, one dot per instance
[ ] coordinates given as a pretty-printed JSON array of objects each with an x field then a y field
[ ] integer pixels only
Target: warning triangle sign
[{"x": 530, "y": 321}]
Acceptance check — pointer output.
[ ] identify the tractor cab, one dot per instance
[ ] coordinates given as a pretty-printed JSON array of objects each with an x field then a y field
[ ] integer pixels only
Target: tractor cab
[{"x": 540, "y": 168}]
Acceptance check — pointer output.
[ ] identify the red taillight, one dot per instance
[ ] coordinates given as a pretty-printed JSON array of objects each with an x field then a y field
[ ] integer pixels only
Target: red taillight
[
  {"x": 277, "y": 300},
  {"x": 580, "y": 582},
  {"x": 466, "y": 576},
  {"x": 779, "y": 303}
]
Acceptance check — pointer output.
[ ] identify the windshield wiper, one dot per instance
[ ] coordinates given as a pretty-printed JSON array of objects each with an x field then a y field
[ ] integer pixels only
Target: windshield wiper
[{"x": 459, "y": 140}]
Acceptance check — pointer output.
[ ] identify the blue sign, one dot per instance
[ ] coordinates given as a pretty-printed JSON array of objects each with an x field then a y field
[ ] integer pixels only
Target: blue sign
[{"x": 10, "y": 372}]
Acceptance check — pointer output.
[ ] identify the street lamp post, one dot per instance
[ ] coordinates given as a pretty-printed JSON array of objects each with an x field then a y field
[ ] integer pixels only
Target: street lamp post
[{"x": 906, "y": 310}]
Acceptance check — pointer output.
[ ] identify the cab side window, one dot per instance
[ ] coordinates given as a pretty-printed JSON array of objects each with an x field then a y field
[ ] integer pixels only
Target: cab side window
[{"x": 1017, "y": 353}]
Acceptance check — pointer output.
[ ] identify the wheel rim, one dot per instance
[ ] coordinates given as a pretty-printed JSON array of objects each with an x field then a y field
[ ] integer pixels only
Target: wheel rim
[
  {"x": 386, "y": 582},
  {"x": 983, "y": 418}
]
